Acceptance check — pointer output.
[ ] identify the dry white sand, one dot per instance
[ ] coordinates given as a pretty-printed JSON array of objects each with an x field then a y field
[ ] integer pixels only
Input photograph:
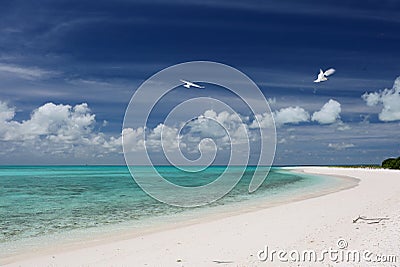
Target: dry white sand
[{"x": 315, "y": 223}]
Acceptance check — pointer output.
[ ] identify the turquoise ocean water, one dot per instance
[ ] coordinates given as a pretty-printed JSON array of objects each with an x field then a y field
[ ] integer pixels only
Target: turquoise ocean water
[{"x": 63, "y": 201}]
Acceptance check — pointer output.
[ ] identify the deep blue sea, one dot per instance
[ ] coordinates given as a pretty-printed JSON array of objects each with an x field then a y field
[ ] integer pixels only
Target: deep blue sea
[{"x": 46, "y": 201}]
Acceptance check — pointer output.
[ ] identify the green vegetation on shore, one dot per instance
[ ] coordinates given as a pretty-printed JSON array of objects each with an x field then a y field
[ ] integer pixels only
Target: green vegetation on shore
[
  {"x": 391, "y": 163},
  {"x": 358, "y": 166}
]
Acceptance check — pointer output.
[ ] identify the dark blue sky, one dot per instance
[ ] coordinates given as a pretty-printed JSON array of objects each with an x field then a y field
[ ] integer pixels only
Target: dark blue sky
[{"x": 98, "y": 52}]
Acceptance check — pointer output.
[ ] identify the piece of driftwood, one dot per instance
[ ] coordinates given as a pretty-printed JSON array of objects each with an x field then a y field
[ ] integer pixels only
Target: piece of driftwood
[
  {"x": 370, "y": 220},
  {"x": 222, "y": 262}
]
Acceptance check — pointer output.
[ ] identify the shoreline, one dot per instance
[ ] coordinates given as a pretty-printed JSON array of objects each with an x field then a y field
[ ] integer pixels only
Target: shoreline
[
  {"x": 110, "y": 234},
  {"x": 48, "y": 255}
]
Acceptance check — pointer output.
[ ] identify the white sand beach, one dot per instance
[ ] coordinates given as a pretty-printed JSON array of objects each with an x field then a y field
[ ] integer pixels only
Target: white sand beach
[{"x": 315, "y": 223}]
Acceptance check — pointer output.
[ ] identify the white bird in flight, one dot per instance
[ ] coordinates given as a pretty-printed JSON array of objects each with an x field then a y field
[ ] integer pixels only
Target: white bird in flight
[
  {"x": 188, "y": 84},
  {"x": 322, "y": 76}
]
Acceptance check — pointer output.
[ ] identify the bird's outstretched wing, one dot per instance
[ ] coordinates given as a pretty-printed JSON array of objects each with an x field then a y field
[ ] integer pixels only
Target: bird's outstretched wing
[
  {"x": 329, "y": 72},
  {"x": 196, "y": 85},
  {"x": 188, "y": 84}
]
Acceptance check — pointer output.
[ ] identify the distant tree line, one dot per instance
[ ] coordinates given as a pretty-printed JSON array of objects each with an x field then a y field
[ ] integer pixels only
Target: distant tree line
[{"x": 391, "y": 163}]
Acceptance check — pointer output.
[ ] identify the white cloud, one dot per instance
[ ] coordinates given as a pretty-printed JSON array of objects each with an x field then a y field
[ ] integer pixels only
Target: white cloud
[
  {"x": 55, "y": 129},
  {"x": 372, "y": 99},
  {"x": 63, "y": 129},
  {"x": 59, "y": 129},
  {"x": 235, "y": 125},
  {"x": 170, "y": 138},
  {"x": 328, "y": 114},
  {"x": 272, "y": 101},
  {"x": 282, "y": 141},
  {"x": 55, "y": 122},
  {"x": 224, "y": 129},
  {"x": 293, "y": 115},
  {"x": 340, "y": 146},
  {"x": 341, "y": 126},
  {"x": 390, "y": 100},
  {"x": 6, "y": 113},
  {"x": 264, "y": 121},
  {"x": 289, "y": 115},
  {"x": 25, "y": 72},
  {"x": 133, "y": 139},
  {"x": 139, "y": 139}
]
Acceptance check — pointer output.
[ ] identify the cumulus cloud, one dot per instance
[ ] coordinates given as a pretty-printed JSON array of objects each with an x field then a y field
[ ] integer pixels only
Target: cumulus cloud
[
  {"x": 55, "y": 128},
  {"x": 329, "y": 113},
  {"x": 235, "y": 125},
  {"x": 133, "y": 139},
  {"x": 262, "y": 121},
  {"x": 292, "y": 115},
  {"x": 389, "y": 99},
  {"x": 223, "y": 128},
  {"x": 55, "y": 122},
  {"x": 166, "y": 136},
  {"x": 289, "y": 115},
  {"x": 60, "y": 129},
  {"x": 65, "y": 129}
]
